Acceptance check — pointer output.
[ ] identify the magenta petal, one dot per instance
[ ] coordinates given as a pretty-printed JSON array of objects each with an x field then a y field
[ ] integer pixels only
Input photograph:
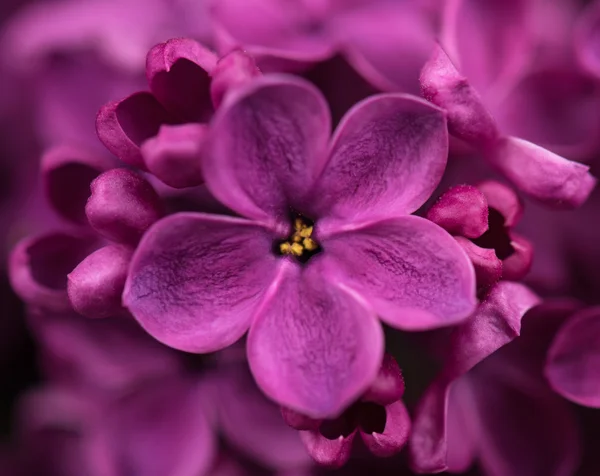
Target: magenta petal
[
  {"x": 525, "y": 433},
  {"x": 502, "y": 199},
  {"x": 254, "y": 425},
  {"x": 395, "y": 434},
  {"x": 443, "y": 85},
  {"x": 388, "y": 386},
  {"x": 122, "y": 206},
  {"x": 387, "y": 156},
  {"x": 68, "y": 172},
  {"x": 101, "y": 355},
  {"x": 232, "y": 71},
  {"x": 557, "y": 107},
  {"x": 333, "y": 453},
  {"x": 517, "y": 265},
  {"x": 174, "y": 155},
  {"x": 496, "y": 322},
  {"x": 38, "y": 267},
  {"x": 123, "y": 126},
  {"x": 387, "y": 42},
  {"x": 196, "y": 280},
  {"x": 587, "y": 38},
  {"x": 178, "y": 72},
  {"x": 429, "y": 445},
  {"x": 488, "y": 268},
  {"x": 298, "y": 420},
  {"x": 412, "y": 272},
  {"x": 542, "y": 174},
  {"x": 157, "y": 430},
  {"x": 267, "y": 146},
  {"x": 462, "y": 210},
  {"x": 491, "y": 39},
  {"x": 573, "y": 365},
  {"x": 95, "y": 286},
  {"x": 269, "y": 27},
  {"x": 290, "y": 347}
]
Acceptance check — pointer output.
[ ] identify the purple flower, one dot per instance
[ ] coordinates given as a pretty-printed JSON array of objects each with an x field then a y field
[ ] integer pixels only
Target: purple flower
[
  {"x": 163, "y": 131},
  {"x": 490, "y": 402},
  {"x": 573, "y": 363},
  {"x": 386, "y": 41},
  {"x": 379, "y": 417},
  {"x": 326, "y": 245},
  {"x": 481, "y": 218},
  {"x": 491, "y": 91}
]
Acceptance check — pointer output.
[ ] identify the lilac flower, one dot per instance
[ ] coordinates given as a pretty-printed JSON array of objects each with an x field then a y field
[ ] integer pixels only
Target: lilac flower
[
  {"x": 499, "y": 87},
  {"x": 481, "y": 219},
  {"x": 39, "y": 265},
  {"x": 572, "y": 363},
  {"x": 163, "y": 130},
  {"x": 198, "y": 282},
  {"x": 490, "y": 402},
  {"x": 386, "y": 41},
  {"x": 379, "y": 417}
]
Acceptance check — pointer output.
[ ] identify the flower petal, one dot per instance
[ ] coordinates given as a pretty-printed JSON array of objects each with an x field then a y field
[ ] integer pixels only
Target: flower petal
[
  {"x": 443, "y": 85},
  {"x": 68, "y": 172},
  {"x": 542, "y": 174},
  {"x": 587, "y": 38},
  {"x": 39, "y": 266},
  {"x": 556, "y": 107},
  {"x": 488, "y": 268},
  {"x": 496, "y": 322},
  {"x": 138, "y": 436},
  {"x": 524, "y": 433},
  {"x": 387, "y": 42},
  {"x": 395, "y": 434},
  {"x": 388, "y": 385},
  {"x": 174, "y": 155},
  {"x": 123, "y": 126},
  {"x": 326, "y": 452},
  {"x": 412, "y": 272},
  {"x": 503, "y": 199},
  {"x": 96, "y": 284},
  {"x": 313, "y": 347},
  {"x": 387, "y": 156},
  {"x": 232, "y": 71},
  {"x": 267, "y": 146},
  {"x": 270, "y": 27},
  {"x": 196, "y": 280},
  {"x": 178, "y": 72},
  {"x": 573, "y": 364},
  {"x": 122, "y": 206},
  {"x": 462, "y": 210},
  {"x": 100, "y": 355},
  {"x": 254, "y": 425},
  {"x": 491, "y": 39}
]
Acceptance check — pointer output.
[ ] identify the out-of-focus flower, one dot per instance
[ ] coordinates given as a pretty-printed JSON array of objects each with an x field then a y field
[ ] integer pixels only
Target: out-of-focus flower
[
  {"x": 198, "y": 282},
  {"x": 535, "y": 170},
  {"x": 491, "y": 403},
  {"x": 573, "y": 365},
  {"x": 481, "y": 219},
  {"x": 386, "y": 41},
  {"x": 379, "y": 417}
]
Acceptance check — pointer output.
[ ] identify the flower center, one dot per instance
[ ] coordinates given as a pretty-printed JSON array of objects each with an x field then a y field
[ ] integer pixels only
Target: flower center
[{"x": 300, "y": 243}]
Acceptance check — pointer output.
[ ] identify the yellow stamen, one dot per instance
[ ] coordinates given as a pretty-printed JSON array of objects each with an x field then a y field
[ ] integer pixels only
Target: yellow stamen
[
  {"x": 297, "y": 249},
  {"x": 309, "y": 244},
  {"x": 305, "y": 232},
  {"x": 285, "y": 248}
]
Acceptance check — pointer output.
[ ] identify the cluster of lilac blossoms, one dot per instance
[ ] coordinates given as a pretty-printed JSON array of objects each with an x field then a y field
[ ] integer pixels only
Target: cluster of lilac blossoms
[{"x": 314, "y": 240}]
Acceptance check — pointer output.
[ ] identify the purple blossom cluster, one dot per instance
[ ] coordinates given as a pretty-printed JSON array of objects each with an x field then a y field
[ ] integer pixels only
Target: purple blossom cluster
[{"x": 300, "y": 237}]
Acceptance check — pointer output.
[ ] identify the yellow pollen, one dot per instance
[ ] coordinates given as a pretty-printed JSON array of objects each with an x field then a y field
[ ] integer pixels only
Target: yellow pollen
[{"x": 300, "y": 241}]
